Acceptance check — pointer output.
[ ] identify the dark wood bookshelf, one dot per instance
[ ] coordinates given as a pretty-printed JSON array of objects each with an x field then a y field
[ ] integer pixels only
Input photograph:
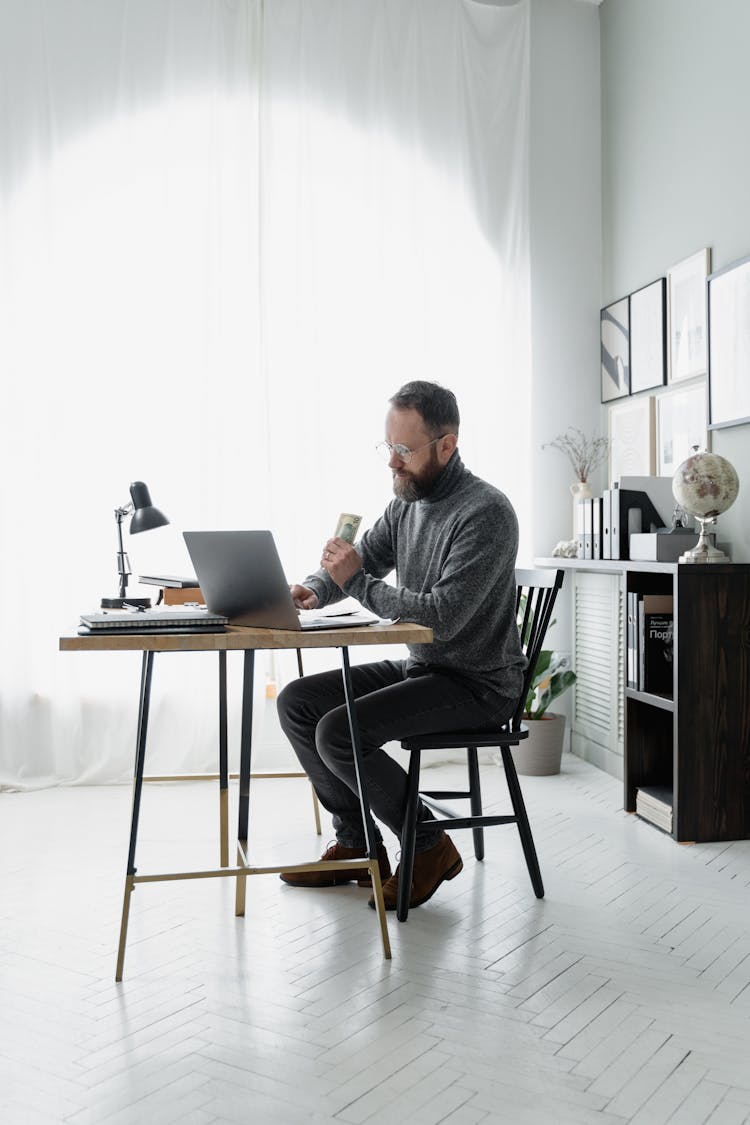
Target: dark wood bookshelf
[{"x": 696, "y": 742}]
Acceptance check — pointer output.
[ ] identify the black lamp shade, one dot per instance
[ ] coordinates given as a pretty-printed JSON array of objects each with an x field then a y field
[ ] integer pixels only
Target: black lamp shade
[{"x": 145, "y": 516}]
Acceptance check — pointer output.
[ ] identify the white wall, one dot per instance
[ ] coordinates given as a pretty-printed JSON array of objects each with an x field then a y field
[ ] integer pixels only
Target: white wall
[
  {"x": 676, "y": 160},
  {"x": 565, "y": 221}
]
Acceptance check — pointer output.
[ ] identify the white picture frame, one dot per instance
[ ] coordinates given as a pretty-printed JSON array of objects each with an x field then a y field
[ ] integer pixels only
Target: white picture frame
[
  {"x": 648, "y": 337},
  {"x": 687, "y": 316},
  {"x": 681, "y": 424},
  {"x": 631, "y": 438},
  {"x": 729, "y": 346},
  {"x": 615, "y": 350}
]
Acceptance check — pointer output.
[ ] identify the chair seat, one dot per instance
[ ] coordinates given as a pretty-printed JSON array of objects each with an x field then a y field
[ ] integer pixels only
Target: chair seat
[{"x": 503, "y": 736}]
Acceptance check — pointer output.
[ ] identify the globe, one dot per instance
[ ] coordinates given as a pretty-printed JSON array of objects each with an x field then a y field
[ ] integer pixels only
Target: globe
[{"x": 705, "y": 485}]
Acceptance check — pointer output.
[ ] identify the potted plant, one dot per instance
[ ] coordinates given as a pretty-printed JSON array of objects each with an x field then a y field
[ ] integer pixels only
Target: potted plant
[{"x": 541, "y": 752}]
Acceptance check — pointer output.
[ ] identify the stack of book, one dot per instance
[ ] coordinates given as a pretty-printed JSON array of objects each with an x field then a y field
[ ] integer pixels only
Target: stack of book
[
  {"x": 171, "y": 620},
  {"x": 654, "y": 804},
  {"x": 650, "y": 643}
]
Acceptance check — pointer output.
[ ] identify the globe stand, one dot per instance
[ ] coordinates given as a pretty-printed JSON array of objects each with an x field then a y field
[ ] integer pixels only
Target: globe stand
[{"x": 703, "y": 552}]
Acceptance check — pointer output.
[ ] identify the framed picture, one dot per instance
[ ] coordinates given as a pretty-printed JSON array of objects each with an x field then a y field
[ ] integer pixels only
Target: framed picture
[
  {"x": 615, "y": 337},
  {"x": 680, "y": 424},
  {"x": 688, "y": 329},
  {"x": 631, "y": 438},
  {"x": 648, "y": 337},
  {"x": 729, "y": 346}
]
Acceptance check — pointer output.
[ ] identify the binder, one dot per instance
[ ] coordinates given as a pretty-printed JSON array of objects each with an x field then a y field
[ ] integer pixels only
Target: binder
[
  {"x": 580, "y": 528},
  {"x": 596, "y": 527},
  {"x": 607, "y": 523},
  {"x": 588, "y": 532}
]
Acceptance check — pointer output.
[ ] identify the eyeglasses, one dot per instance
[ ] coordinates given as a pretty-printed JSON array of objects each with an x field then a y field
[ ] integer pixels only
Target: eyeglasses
[{"x": 386, "y": 450}]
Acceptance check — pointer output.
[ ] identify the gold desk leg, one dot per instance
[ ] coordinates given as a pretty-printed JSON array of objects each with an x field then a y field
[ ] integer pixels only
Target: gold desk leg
[
  {"x": 316, "y": 810},
  {"x": 129, "y": 884},
  {"x": 377, "y": 890},
  {"x": 224, "y": 827},
  {"x": 239, "y": 901}
]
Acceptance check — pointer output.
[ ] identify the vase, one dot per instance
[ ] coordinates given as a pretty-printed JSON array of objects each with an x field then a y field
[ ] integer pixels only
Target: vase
[
  {"x": 540, "y": 754},
  {"x": 579, "y": 491}
]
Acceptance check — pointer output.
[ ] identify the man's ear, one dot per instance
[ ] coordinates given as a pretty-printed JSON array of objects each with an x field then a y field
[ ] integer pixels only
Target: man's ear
[{"x": 448, "y": 444}]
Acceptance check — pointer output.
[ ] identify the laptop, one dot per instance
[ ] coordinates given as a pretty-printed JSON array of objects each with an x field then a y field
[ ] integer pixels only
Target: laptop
[{"x": 241, "y": 577}]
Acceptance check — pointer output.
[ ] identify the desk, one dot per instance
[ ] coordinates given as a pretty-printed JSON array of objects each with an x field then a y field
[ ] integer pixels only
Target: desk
[{"x": 247, "y": 641}]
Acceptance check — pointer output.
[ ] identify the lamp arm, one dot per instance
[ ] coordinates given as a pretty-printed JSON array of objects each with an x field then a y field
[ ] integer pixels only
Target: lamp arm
[{"x": 123, "y": 563}]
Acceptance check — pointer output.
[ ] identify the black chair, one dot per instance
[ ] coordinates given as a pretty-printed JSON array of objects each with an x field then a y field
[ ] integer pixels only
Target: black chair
[{"x": 535, "y": 598}]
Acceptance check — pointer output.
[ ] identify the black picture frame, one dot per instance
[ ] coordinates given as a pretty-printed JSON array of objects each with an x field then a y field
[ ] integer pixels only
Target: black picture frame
[
  {"x": 615, "y": 350},
  {"x": 728, "y": 315},
  {"x": 648, "y": 337}
]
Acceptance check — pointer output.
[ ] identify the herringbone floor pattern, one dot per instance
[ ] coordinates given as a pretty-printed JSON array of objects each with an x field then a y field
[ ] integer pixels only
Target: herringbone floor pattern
[{"x": 624, "y": 996}]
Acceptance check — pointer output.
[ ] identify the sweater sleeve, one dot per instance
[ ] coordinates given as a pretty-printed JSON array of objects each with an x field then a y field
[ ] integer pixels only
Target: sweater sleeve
[
  {"x": 376, "y": 550},
  {"x": 479, "y": 550}
]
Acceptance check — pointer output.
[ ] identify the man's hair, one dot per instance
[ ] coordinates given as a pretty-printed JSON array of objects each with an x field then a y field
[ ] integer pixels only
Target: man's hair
[{"x": 436, "y": 404}]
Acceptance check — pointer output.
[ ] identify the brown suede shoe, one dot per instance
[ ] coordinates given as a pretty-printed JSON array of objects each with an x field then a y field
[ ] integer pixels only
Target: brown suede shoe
[
  {"x": 431, "y": 868},
  {"x": 338, "y": 878}
]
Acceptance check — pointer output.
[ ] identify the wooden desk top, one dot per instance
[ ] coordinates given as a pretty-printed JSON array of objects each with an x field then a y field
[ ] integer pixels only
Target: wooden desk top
[{"x": 237, "y": 638}]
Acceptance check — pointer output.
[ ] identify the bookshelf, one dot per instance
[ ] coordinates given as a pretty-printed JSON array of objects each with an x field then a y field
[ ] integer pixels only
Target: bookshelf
[{"x": 695, "y": 743}]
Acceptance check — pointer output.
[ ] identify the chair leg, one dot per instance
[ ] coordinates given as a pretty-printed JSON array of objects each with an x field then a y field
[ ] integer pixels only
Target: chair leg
[
  {"x": 475, "y": 798},
  {"x": 524, "y": 828},
  {"x": 408, "y": 839},
  {"x": 316, "y": 809}
]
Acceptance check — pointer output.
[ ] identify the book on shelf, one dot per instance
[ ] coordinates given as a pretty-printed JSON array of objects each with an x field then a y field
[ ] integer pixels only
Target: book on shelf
[
  {"x": 654, "y": 803},
  {"x": 632, "y": 640},
  {"x": 655, "y": 643}
]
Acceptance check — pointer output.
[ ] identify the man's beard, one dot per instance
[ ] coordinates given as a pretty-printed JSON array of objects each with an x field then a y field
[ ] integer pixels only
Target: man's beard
[{"x": 418, "y": 485}]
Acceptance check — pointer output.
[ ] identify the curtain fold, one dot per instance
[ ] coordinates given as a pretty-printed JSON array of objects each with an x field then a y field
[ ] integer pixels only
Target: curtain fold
[{"x": 229, "y": 230}]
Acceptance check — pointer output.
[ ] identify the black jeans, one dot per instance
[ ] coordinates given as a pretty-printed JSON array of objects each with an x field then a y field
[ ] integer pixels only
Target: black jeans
[{"x": 391, "y": 704}]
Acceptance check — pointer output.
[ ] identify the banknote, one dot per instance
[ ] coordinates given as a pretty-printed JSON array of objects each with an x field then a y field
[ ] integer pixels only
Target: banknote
[{"x": 347, "y": 527}]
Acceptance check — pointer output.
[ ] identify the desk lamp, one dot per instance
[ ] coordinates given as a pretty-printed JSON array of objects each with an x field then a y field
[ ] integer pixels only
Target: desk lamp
[{"x": 145, "y": 517}]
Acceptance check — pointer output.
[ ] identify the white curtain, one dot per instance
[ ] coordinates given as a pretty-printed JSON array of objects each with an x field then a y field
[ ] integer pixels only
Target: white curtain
[{"x": 229, "y": 230}]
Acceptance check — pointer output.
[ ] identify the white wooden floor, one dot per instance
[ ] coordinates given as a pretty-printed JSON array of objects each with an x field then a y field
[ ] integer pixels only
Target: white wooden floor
[{"x": 624, "y": 996}]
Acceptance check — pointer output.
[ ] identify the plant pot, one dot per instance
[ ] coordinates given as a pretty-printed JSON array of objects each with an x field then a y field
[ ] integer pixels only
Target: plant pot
[{"x": 540, "y": 753}]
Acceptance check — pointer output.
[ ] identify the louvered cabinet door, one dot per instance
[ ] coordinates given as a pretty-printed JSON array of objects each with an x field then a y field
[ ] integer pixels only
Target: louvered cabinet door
[{"x": 597, "y": 732}]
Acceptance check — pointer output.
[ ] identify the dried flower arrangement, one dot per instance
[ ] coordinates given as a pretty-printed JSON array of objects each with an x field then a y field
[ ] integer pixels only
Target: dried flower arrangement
[{"x": 583, "y": 453}]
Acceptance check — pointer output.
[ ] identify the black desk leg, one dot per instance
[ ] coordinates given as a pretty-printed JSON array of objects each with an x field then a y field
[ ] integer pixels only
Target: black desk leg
[
  {"x": 140, "y": 755},
  {"x": 372, "y": 848},
  {"x": 223, "y": 764},
  {"x": 246, "y": 745}
]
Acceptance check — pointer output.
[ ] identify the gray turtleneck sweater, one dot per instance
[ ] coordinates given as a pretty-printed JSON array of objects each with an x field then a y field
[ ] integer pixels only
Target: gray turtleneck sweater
[{"x": 454, "y": 554}]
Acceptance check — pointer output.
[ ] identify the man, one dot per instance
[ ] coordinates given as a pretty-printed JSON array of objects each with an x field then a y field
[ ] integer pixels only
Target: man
[{"x": 452, "y": 540}]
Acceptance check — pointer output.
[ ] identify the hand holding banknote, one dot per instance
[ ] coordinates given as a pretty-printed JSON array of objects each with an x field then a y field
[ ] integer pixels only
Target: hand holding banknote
[
  {"x": 340, "y": 559},
  {"x": 347, "y": 527}
]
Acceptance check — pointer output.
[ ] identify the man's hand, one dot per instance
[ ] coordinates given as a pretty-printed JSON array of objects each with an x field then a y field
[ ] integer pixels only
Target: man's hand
[
  {"x": 303, "y": 597},
  {"x": 340, "y": 560}
]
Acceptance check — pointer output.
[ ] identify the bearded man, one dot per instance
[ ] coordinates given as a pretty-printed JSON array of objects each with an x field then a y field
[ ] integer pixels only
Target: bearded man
[{"x": 451, "y": 539}]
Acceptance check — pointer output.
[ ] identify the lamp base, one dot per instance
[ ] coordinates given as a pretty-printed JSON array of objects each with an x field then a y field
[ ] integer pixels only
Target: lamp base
[{"x": 118, "y": 603}]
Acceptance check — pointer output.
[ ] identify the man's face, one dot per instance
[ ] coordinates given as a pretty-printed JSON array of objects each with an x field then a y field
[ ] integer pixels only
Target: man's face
[{"x": 414, "y": 479}]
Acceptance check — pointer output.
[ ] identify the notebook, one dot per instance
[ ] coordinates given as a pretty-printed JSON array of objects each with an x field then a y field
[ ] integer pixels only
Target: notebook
[
  {"x": 152, "y": 621},
  {"x": 241, "y": 577}
]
